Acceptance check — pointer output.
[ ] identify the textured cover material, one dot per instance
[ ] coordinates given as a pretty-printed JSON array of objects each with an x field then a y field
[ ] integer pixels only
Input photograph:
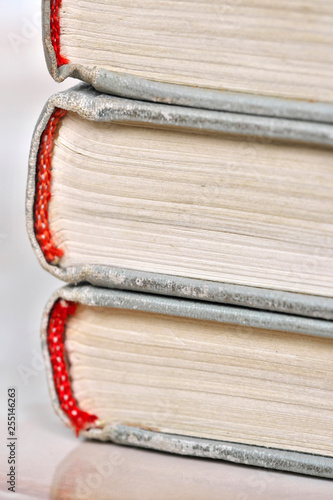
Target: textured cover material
[
  {"x": 147, "y": 90},
  {"x": 92, "y": 105},
  {"x": 303, "y": 463}
]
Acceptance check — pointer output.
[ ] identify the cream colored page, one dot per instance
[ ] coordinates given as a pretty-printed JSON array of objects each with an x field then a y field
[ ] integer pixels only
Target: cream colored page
[
  {"x": 203, "y": 378},
  {"x": 193, "y": 205},
  {"x": 280, "y": 48}
]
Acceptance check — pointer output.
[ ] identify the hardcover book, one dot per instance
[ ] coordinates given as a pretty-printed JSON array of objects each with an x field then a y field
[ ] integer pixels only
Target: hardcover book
[
  {"x": 187, "y": 53},
  {"x": 194, "y": 378},
  {"x": 223, "y": 207}
]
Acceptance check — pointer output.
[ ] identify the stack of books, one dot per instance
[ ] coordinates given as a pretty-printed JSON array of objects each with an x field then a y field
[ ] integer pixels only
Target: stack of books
[{"x": 185, "y": 193}]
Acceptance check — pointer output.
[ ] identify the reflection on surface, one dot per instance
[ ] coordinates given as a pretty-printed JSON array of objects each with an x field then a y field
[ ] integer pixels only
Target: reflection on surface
[{"x": 105, "y": 471}]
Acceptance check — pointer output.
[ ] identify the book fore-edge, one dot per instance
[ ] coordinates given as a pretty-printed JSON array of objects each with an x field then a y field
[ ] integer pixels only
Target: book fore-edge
[
  {"x": 92, "y": 105},
  {"x": 284, "y": 460},
  {"x": 133, "y": 87}
]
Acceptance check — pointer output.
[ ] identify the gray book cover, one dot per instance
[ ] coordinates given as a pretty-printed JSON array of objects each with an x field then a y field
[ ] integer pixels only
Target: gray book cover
[
  {"x": 90, "y": 104},
  {"x": 304, "y": 463}
]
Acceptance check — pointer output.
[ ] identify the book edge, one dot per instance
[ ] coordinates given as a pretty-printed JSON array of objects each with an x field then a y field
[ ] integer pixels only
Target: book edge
[
  {"x": 258, "y": 456},
  {"x": 94, "y": 106},
  {"x": 271, "y": 458},
  {"x": 128, "y": 86}
]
